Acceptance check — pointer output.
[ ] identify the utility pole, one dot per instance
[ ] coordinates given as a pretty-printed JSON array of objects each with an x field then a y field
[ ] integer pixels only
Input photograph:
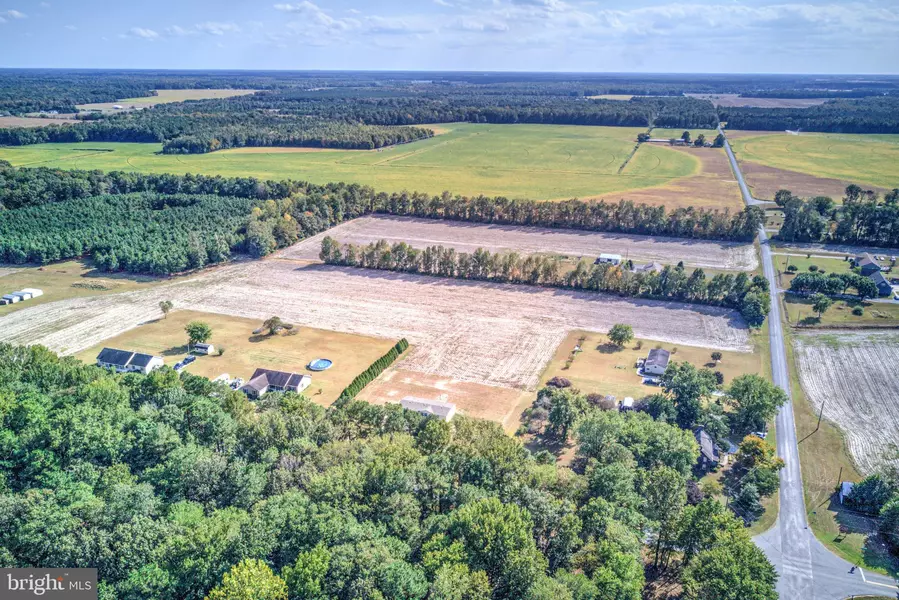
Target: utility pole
[{"x": 820, "y": 414}]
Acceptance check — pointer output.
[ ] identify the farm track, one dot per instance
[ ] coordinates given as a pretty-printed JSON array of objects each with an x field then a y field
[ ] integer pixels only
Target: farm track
[
  {"x": 469, "y": 331},
  {"x": 468, "y": 237}
]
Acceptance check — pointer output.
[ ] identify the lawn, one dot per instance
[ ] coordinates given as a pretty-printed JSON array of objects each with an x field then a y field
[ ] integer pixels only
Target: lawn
[
  {"x": 710, "y": 134},
  {"x": 521, "y": 161},
  {"x": 825, "y": 265},
  {"x": 868, "y": 160},
  {"x": 68, "y": 279},
  {"x": 245, "y": 351},
  {"x": 600, "y": 368},
  {"x": 799, "y": 310},
  {"x": 824, "y": 461}
]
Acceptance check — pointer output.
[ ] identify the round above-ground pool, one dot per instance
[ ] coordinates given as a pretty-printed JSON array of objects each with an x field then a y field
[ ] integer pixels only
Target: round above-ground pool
[{"x": 320, "y": 364}]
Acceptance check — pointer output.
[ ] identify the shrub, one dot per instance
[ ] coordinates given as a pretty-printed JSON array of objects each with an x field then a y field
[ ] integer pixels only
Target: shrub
[
  {"x": 858, "y": 311},
  {"x": 719, "y": 377},
  {"x": 221, "y": 350},
  {"x": 638, "y": 345},
  {"x": 792, "y": 268},
  {"x": 559, "y": 382},
  {"x": 813, "y": 268}
]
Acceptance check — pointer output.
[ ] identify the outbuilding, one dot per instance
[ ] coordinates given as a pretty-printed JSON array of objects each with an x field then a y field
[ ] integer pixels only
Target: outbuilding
[
  {"x": 10, "y": 299},
  {"x": 845, "y": 489},
  {"x": 444, "y": 411},
  {"x": 204, "y": 349},
  {"x": 612, "y": 259},
  {"x": 23, "y": 295}
]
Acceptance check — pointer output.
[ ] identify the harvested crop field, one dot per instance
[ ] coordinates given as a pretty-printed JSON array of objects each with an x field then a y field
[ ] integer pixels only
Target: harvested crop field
[
  {"x": 29, "y": 122},
  {"x": 468, "y": 237},
  {"x": 737, "y": 100},
  {"x": 854, "y": 376},
  {"x": 469, "y": 331},
  {"x": 164, "y": 97}
]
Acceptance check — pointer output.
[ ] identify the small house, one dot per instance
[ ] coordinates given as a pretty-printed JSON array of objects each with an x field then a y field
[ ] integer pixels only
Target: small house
[
  {"x": 845, "y": 489},
  {"x": 611, "y": 259},
  {"x": 883, "y": 286},
  {"x": 444, "y": 411},
  {"x": 626, "y": 404},
  {"x": 867, "y": 264},
  {"x": 23, "y": 295},
  {"x": 652, "y": 267},
  {"x": 10, "y": 299},
  {"x": 709, "y": 455},
  {"x": 34, "y": 292},
  {"x": 266, "y": 380},
  {"x": 125, "y": 361},
  {"x": 206, "y": 349},
  {"x": 656, "y": 362}
]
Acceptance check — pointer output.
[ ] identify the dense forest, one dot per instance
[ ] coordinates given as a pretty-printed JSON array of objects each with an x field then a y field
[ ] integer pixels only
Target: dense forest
[
  {"x": 749, "y": 295},
  {"x": 177, "y": 222},
  {"x": 862, "y": 218},
  {"x": 865, "y": 115},
  {"x": 177, "y": 488}
]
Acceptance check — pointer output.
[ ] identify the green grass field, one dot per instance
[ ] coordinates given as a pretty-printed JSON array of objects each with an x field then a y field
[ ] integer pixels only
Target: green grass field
[
  {"x": 864, "y": 159},
  {"x": 519, "y": 161},
  {"x": 165, "y": 97}
]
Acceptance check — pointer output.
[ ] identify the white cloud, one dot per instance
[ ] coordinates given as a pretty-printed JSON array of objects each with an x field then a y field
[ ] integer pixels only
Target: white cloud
[
  {"x": 45, "y": 5},
  {"x": 316, "y": 17},
  {"x": 215, "y": 28},
  {"x": 397, "y": 26},
  {"x": 443, "y": 3},
  {"x": 147, "y": 34},
  {"x": 70, "y": 27},
  {"x": 13, "y": 14}
]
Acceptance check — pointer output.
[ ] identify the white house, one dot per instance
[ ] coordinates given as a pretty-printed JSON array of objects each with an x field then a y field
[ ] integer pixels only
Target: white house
[
  {"x": 266, "y": 380},
  {"x": 125, "y": 361},
  {"x": 430, "y": 408},
  {"x": 627, "y": 404},
  {"x": 657, "y": 362},
  {"x": 207, "y": 349},
  {"x": 10, "y": 299},
  {"x": 613, "y": 259}
]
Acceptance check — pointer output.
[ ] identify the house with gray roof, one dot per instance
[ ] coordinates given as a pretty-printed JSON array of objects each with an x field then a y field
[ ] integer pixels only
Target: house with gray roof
[
  {"x": 867, "y": 264},
  {"x": 709, "y": 455},
  {"x": 656, "y": 362},
  {"x": 883, "y": 286},
  {"x": 126, "y": 361},
  {"x": 430, "y": 408},
  {"x": 267, "y": 380}
]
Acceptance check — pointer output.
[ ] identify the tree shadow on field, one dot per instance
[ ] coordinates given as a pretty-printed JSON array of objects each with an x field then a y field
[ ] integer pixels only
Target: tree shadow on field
[
  {"x": 609, "y": 348},
  {"x": 175, "y": 350}
]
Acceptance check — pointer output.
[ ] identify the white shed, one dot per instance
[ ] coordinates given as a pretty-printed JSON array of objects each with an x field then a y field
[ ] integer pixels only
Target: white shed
[
  {"x": 430, "y": 408},
  {"x": 845, "y": 489},
  {"x": 627, "y": 404},
  {"x": 10, "y": 299},
  {"x": 613, "y": 259},
  {"x": 34, "y": 292},
  {"x": 23, "y": 295},
  {"x": 204, "y": 349}
]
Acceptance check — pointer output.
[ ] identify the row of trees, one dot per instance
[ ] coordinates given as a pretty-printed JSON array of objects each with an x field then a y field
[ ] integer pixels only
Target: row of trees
[
  {"x": 877, "y": 495},
  {"x": 749, "y": 295},
  {"x": 862, "y": 218},
  {"x": 877, "y": 114},
  {"x": 174, "y": 487},
  {"x": 314, "y": 205},
  {"x": 833, "y": 284},
  {"x": 371, "y": 373}
]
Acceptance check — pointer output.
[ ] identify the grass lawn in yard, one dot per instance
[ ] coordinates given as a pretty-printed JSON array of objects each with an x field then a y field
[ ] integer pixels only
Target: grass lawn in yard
[
  {"x": 601, "y": 368},
  {"x": 799, "y": 312},
  {"x": 245, "y": 351},
  {"x": 67, "y": 279}
]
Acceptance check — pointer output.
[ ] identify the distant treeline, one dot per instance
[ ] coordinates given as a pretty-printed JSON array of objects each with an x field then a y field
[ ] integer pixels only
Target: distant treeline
[
  {"x": 749, "y": 295},
  {"x": 321, "y": 207},
  {"x": 199, "y": 133},
  {"x": 865, "y": 115},
  {"x": 863, "y": 218}
]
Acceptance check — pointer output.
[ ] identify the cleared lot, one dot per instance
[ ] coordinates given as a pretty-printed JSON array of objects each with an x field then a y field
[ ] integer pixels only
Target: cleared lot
[
  {"x": 854, "y": 376},
  {"x": 468, "y": 237},
  {"x": 468, "y": 331}
]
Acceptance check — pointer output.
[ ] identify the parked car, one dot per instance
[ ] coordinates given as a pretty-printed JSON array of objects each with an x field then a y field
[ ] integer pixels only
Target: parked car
[
  {"x": 189, "y": 359},
  {"x": 236, "y": 383}
]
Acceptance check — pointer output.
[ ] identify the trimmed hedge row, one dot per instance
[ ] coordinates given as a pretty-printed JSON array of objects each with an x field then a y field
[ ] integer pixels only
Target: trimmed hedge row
[{"x": 369, "y": 374}]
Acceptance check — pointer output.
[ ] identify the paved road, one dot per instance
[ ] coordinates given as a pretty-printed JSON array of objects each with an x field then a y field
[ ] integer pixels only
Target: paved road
[{"x": 808, "y": 570}]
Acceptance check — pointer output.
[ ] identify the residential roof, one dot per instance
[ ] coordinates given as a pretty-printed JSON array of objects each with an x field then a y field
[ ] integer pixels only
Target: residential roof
[
  {"x": 202, "y": 345},
  {"x": 878, "y": 278},
  {"x": 846, "y": 488},
  {"x": 611, "y": 256},
  {"x": 434, "y": 407},
  {"x": 706, "y": 445},
  {"x": 653, "y": 266},
  {"x": 266, "y": 377},
  {"x": 112, "y": 356},
  {"x": 657, "y": 358},
  {"x": 140, "y": 360},
  {"x": 866, "y": 259}
]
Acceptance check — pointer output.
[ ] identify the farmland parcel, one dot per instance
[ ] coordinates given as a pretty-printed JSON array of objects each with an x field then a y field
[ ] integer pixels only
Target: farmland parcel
[
  {"x": 854, "y": 376},
  {"x": 812, "y": 164},
  {"x": 521, "y": 161}
]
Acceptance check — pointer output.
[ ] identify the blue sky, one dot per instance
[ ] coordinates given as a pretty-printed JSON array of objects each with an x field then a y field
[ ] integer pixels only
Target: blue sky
[{"x": 516, "y": 35}]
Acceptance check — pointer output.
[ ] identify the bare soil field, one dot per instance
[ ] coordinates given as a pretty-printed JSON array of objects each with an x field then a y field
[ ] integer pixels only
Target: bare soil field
[
  {"x": 737, "y": 100},
  {"x": 765, "y": 181},
  {"x": 163, "y": 97},
  {"x": 468, "y": 237},
  {"x": 28, "y": 122},
  {"x": 491, "y": 334},
  {"x": 854, "y": 376},
  {"x": 500, "y": 404},
  {"x": 714, "y": 184},
  {"x": 838, "y": 250}
]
